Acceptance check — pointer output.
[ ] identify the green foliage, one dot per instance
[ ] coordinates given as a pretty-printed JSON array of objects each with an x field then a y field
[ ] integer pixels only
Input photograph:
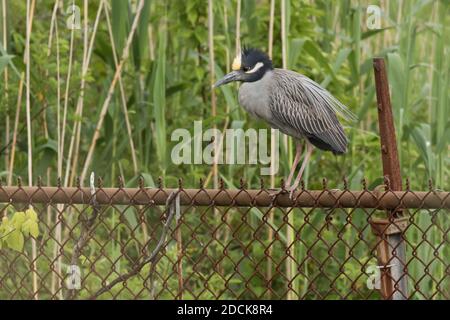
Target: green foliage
[
  {"x": 4, "y": 60},
  {"x": 13, "y": 231}
]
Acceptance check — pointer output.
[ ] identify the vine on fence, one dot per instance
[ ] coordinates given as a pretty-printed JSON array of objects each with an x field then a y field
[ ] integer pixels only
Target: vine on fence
[{"x": 13, "y": 231}]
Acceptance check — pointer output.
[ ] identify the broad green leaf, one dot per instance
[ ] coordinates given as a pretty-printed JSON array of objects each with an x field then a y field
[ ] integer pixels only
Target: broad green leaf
[
  {"x": 148, "y": 180},
  {"x": 30, "y": 227},
  {"x": 4, "y": 225},
  {"x": 50, "y": 145},
  {"x": 396, "y": 74},
  {"x": 341, "y": 57},
  {"x": 4, "y": 60},
  {"x": 421, "y": 136},
  {"x": 25, "y": 228},
  {"x": 314, "y": 51},
  {"x": 370, "y": 33},
  {"x": 140, "y": 42},
  {"x": 31, "y": 214},
  {"x": 34, "y": 229},
  {"x": 15, "y": 240},
  {"x": 295, "y": 48},
  {"x": 18, "y": 219},
  {"x": 120, "y": 22}
]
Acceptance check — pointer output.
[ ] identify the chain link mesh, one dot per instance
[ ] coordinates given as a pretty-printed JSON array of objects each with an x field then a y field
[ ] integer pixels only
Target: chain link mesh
[{"x": 157, "y": 243}]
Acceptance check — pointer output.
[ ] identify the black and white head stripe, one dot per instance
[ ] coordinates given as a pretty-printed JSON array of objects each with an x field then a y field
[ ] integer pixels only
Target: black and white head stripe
[
  {"x": 250, "y": 57},
  {"x": 257, "y": 66}
]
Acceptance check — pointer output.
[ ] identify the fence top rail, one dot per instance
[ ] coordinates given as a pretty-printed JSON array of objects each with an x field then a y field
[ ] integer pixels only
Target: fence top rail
[{"x": 327, "y": 198}]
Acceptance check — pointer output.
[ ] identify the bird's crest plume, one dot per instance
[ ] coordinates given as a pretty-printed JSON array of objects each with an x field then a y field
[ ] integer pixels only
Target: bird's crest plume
[{"x": 237, "y": 62}]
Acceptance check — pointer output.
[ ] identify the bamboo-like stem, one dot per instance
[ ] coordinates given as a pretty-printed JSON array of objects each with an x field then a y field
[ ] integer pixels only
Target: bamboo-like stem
[
  {"x": 237, "y": 42},
  {"x": 227, "y": 48},
  {"x": 52, "y": 28},
  {"x": 49, "y": 51},
  {"x": 56, "y": 276},
  {"x": 227, "y": 120},
  {"x": 151, "y": 42},
  {"x": 58, "y": 101},
  {"x": 290, "y": 262},
  {"x": 16, "y": 128},
  {"x": 238, "y": 27},
  {"x": 66, "y": 100},
  {"x": 284, "y": 51},
  {"x": 105, "y": 106},
  {"x": 387, "y": 34},
  {"x": 30, "y": 14},
  {"x": 58, "y": 229},
  {"x": 76, "y": 134},
  {"x": 238, "y": 49},
  {"x": 283, "y": 34},
  {"x": 71, "y": 166},
  {"x": 272, "y": 163},
  {"x": 125, "y": 109},
  {"x": 49, "y": 223},
  {"x": 123, "y": 98},
  {"x": 80, "y": 100},
  {"x": 180, "y": 262},
  {"x": 5, "y": 79},
  {"x": 434, "y": 18},
  {"x": 86, "y": 29},
  {"x": 337, "y": 25},
  {"x": 212, "y": 76},
  {"x": 399, "y": 23},
  {"x": 53, "y": 22},
  {"x": 219, "y": 147},
  {"x": 271, "y": 23}
]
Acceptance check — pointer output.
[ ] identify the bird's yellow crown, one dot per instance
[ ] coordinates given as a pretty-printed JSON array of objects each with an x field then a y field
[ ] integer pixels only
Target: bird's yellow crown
[{"x": 236, "y": 62}]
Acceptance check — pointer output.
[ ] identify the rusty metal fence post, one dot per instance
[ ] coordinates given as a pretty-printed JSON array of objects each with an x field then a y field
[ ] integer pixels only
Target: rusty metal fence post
[{"x": 391, "y": 247}]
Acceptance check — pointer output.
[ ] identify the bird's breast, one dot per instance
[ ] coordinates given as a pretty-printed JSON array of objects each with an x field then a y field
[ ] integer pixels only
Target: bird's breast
[{"x": 254, "y": 97}]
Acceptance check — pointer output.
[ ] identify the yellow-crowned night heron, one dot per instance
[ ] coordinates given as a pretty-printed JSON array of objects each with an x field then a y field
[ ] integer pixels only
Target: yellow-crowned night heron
[{"x": 290, "y": 102}]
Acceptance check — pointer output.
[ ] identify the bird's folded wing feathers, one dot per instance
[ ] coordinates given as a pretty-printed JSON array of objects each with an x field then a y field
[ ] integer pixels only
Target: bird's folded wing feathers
[{"x": 299, "y": 102}]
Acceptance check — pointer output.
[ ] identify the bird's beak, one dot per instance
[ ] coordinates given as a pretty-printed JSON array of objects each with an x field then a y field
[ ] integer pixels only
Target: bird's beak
[{"x": 232, "y": 76}]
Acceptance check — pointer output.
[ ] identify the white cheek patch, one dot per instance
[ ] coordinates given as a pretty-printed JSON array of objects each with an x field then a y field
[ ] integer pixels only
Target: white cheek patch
[{"x": 256, "y": 67}]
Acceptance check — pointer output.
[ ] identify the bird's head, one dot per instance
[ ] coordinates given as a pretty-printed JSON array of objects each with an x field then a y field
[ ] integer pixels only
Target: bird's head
[{"x": 249, "y": 65}]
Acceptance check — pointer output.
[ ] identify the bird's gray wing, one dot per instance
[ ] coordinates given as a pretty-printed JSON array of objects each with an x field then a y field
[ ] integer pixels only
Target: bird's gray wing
[{"x": 302, "y": 105}]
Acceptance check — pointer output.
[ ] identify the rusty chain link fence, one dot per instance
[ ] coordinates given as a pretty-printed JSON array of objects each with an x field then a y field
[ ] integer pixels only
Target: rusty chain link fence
[{"x": 157, "y": 243}]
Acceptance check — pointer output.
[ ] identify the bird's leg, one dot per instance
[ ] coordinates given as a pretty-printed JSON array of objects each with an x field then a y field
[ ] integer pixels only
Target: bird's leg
[
  {"x": 298, "y": 154},
  {"x": 309, "y": 150}
]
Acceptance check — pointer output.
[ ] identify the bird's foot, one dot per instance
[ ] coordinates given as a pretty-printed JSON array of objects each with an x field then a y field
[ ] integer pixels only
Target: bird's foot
[
  {"x": 291, "y": 191},
  {"x": 277, "y": 192}
]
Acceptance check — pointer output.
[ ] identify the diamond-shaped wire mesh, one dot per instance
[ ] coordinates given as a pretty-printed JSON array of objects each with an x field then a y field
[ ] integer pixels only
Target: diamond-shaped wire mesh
[{"x": 142, "y": 243}]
